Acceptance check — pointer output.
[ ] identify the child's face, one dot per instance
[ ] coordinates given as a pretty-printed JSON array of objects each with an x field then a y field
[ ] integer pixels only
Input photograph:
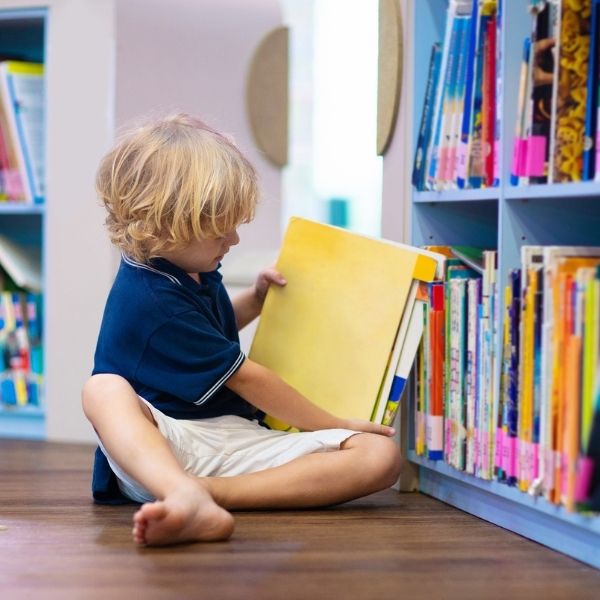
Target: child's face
[{"x": 202, "y": 256}]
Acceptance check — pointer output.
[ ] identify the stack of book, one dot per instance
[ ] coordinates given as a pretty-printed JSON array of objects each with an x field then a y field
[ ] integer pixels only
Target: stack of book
[
  {"x": 21, "y": 368},
  {"x": 345, "y": 329},
  {"x": 457, "y": 145},
  {"x": 22, "y": 132},
  {"x": 556, "y": 128}
]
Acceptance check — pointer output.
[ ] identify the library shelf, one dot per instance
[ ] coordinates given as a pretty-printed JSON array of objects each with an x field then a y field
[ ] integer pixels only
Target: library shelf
[
  {"x": 533, "y": 517},
  {"x": 467, "y": 195},
  {"x": 505, "y": 217},
  {"x": 583, "y": 189},
  {"x": 26, "y": 422},
  {"x": 23, "y": 36},
  {"x": 15, "y": 208}
]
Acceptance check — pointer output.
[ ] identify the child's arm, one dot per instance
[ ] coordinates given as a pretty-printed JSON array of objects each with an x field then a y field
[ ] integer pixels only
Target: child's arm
[
  {"x": 248, "y": 304},
  {"x": 268, "y": 392}
]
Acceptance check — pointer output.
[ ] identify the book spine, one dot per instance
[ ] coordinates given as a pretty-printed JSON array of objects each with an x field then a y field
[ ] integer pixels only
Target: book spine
[
  {"x": 589, "y": 150},
  {"x": 518, "y": 155},
  {"x": 462, "y": 169},
  {"x": 423, "y": 140}
]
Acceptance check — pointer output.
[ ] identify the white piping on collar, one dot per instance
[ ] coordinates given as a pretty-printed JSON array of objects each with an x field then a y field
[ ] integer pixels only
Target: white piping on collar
[{"x": 139, "y": 265}]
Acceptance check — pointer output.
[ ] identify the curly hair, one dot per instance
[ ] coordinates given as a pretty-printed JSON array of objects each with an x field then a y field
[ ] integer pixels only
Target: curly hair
[{"x": 172, "y": 181}]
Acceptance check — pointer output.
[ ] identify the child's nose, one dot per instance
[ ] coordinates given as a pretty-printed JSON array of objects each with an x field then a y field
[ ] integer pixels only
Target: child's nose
[{"x": 233, "y": 238}]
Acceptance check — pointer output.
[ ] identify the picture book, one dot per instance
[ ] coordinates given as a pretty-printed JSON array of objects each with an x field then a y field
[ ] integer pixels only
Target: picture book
[{"x": 330, "y": 331}]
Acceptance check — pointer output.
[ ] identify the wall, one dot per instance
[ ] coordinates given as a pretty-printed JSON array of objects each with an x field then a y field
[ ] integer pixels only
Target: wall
[
  {"x": 78, "y": 263},
  {"x": 397, "y": 162},
  {"x": 193, "y": 55}
]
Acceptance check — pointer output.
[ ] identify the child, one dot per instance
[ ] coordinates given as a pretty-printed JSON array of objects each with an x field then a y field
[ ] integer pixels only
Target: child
[{"x": 175, "y": 404}]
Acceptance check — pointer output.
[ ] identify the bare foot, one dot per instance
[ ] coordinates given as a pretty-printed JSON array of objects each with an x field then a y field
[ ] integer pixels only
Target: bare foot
[{"x": 187, "y": 515}]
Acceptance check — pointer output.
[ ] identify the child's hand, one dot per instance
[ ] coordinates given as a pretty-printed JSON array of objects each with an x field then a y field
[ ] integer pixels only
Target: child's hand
[
  {"x": 368, "y": 427},
  {"x": 265, "y": 278}
]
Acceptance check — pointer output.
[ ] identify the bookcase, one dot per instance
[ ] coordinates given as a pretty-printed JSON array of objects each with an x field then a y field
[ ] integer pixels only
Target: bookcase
[
  {"x": 22, "y": 35},
  {"x": 107, "y": 62},
  {"x": 502, "y": 217}
]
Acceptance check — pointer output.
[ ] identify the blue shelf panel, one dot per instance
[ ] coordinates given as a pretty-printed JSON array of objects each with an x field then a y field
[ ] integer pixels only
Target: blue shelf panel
[
  {"x": 23, "y": 423},
  {"x": 455, "y": 223},
  {"x": 573, "y": 534},
  {"x": 457, "y": 195},
  {"x": 18, "y": 14},
  {"x": 564, "y": 191},
  {"x": 16, "y": 208}
]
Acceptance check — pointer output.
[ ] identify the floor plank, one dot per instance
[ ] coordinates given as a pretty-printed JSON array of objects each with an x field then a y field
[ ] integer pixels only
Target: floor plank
[{"x": 57, "y": 544}]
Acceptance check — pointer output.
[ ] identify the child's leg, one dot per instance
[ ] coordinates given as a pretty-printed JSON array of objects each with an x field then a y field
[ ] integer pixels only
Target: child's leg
[
  {"x": 366, "y": 463},
  {"x": 185, "y": 510}
]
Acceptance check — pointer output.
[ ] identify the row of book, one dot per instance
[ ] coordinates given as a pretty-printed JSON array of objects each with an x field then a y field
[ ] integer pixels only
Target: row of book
[
  {"x": 21, "y": 360},
  {"x": 21, "y": 349},
  {"x": 22, "y": 132},
  {"x": 455, "y": 362},
  {"x": 547, "y": 439},
  {"x": 457, "y": 145},
  {"x": 541, "y": 432},
  {"x": 556, "y": 135}
]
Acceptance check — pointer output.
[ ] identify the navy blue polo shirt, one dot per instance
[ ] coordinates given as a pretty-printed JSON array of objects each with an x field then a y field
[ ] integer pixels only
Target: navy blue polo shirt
[{"x": 175, "y": 340}]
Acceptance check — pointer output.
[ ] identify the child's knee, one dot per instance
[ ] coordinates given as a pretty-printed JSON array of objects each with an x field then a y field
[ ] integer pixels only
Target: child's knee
[{"x": 384, "y": 459}]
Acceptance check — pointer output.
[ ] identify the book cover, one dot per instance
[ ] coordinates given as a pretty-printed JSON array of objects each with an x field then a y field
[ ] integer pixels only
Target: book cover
[
  {"x": 462, "y": 167},
  {"x": 572, "y": 91},
  {"x": 591, "y": 110},
  {"x": 22, "y": 119},
  {"x": 330, "y": 331},
  {"x": 424, "y": 138},
  {"x": 538, "y": 143}
]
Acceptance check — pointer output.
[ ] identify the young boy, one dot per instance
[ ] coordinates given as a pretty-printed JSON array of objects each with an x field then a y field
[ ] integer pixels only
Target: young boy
[{"x": 175, "y": 404}]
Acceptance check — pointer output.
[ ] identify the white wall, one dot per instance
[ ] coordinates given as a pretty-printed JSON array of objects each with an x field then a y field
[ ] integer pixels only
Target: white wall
[
  {"x": 194, "y": 55},
  {"x": 78, "y": 264}
]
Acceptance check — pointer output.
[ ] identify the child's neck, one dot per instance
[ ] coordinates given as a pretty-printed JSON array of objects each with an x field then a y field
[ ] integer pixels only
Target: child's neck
[{"x": 195, "y": 277}]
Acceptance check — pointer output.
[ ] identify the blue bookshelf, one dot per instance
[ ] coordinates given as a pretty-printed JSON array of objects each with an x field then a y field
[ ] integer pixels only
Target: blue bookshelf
[
  {"x": 23, "y": 37},
  {"x": 505, "y": 218}
]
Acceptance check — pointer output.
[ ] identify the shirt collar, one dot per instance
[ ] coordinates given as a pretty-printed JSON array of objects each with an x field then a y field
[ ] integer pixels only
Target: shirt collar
[{"x": 161, "y": 266}]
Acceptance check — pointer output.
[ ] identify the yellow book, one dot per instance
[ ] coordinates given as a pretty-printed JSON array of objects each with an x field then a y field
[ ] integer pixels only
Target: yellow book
[{"x": 330, "y": 331}]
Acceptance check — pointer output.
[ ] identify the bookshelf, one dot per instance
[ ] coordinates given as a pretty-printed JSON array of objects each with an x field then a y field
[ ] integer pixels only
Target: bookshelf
[
  {"x": 22, "y": 36},
  {"x": 505, "y": 218}
]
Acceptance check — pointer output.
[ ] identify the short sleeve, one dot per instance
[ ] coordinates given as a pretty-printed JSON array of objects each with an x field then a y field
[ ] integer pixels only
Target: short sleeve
[{"x": 189, "y": 358}]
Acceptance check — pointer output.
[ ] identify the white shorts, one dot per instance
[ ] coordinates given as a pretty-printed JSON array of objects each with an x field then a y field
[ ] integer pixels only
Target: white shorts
[{"x": 227, "y": 446}]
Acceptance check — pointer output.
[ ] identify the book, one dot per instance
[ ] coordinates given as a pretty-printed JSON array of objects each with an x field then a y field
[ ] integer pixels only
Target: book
[
  {"x": 538, "y": 141},
  {"x": 462, "y": 168},
  {"x": 23, "y": 130},
  {"x": 591, "y": 110},
  {"x": 572, "y": 91},
  {"x": 423, "y": 141},
  {"x": 330, "y": 331},
  {"x": 519, "y": 143}
]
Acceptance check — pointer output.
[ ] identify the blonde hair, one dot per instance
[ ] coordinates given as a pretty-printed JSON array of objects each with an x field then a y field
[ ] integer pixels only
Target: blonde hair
[{"x": 173, "y": 181}]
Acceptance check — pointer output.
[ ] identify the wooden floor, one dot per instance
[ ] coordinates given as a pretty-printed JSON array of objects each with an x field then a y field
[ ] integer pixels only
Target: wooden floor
[{"x": 55, "y": 543}]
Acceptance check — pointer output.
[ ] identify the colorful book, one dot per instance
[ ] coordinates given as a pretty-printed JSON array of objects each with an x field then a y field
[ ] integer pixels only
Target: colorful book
[
  {"x": 572, "y": 91},
  {"x": 23, "y": 128}
]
